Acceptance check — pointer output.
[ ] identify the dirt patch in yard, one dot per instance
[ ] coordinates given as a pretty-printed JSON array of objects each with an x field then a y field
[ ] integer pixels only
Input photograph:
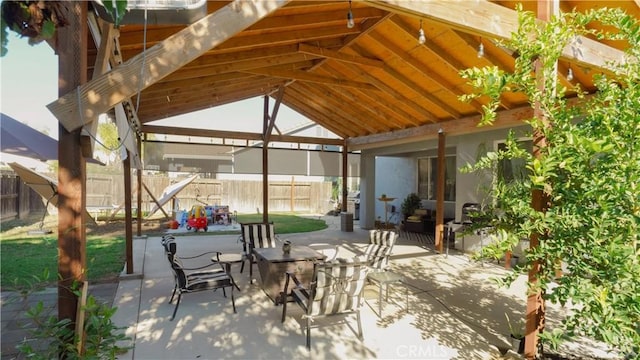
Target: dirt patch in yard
[{"x": 32, "y": 224}]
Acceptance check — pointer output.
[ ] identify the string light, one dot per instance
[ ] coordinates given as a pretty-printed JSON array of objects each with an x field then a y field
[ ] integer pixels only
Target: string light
[
  {"x": 481, "y": 49},
  {"x": 421, "y": 38},
  {"x": 569, "y": 74},
  {"x": 350, "y": 22}
]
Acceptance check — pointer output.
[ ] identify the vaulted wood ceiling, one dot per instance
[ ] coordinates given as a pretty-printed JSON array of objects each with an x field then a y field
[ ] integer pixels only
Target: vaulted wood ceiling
[{"x": 360, "y": 82}]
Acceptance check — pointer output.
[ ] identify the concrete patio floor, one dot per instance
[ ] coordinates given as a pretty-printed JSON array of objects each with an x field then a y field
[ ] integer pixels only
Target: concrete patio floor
[{"x": 455, "y": 311}]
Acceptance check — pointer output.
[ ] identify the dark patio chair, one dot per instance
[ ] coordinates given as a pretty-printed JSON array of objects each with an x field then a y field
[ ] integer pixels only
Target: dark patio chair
[
  {"x": 205, "y": 258},
  {"x": 210, "y": 277},
  {"x": 256, "y": 235},
  {"x": 336, "y": 289}
]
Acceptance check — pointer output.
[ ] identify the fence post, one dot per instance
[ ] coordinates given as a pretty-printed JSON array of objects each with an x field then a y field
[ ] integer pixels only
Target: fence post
[{"x": 293, "y": 190}]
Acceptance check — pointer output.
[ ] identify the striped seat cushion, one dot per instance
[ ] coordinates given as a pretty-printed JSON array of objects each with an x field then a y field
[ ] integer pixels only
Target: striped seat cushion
[
  {"x": 259, "y": 235},
  {"x": 338, "y": 287},
  {"x": 380, "y": 245}
]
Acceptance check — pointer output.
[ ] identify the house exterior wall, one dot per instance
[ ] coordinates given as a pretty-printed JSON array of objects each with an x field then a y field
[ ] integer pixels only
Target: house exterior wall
[
  {"x": 393, "y": 170},
  {"x": 396, "y": 177},
  {"x": 367, "y": 190}
]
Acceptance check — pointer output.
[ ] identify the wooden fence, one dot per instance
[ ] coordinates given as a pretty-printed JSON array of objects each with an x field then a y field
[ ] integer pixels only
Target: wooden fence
[
  {"x": 16, "y": 199},
  {"x": 106, "y": 192}
]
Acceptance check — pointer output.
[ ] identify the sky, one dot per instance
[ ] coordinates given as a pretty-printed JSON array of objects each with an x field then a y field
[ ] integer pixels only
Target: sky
[{"x": 28, "y": 82}]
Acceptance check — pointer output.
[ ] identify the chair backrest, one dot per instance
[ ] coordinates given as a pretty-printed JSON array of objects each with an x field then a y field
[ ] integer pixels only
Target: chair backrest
[
  {"x": 380, "y": 245},
  {"x": 337, "y": 286},
  {"x": 170, "y": 249},
  {"x": 178, "y": 269},
  {"x": 259, "y": 235}
]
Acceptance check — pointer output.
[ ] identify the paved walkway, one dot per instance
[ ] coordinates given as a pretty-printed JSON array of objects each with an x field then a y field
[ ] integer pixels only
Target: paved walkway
[
  {"x": 455, "y": 311},
  {"x": 15, "y": 323}
]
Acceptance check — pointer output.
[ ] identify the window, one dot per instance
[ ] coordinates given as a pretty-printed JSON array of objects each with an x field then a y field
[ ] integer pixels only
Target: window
[
  {"x": 428, "y": 176},
  {"x": 513, "y": 169}
]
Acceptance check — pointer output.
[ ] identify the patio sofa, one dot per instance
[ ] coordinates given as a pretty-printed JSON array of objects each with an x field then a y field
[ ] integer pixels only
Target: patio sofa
[{"x": 421, "y": 221}]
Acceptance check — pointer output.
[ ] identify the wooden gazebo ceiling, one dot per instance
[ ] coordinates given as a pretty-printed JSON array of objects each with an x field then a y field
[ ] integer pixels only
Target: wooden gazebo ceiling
[{"x": 372, "y": 79}]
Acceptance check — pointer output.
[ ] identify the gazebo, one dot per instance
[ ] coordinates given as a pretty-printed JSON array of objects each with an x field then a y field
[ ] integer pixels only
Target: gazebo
[{"x": 376, "y": 73}]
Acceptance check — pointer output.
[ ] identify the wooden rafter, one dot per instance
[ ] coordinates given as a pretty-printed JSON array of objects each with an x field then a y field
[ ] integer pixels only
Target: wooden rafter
[
  {"x": 505, "y": 119},
  {"x": 274, "y": 115},
  {"x": 305, "y": 76},
  {"x": 236, "y": 135},
  {"x": 495, "y": 21},
  {"x": 325, "y": 53},
  {"x": 97, "y": 96}
]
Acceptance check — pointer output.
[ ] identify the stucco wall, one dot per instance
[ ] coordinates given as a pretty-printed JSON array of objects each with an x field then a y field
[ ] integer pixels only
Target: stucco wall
[
  {"x": 396, "y": 178},
  {"x": 393, "y": 170}
]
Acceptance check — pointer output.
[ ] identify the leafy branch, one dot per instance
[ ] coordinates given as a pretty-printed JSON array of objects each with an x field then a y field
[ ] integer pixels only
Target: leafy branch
[
  {"x": 590, "y": 171},
  {"x": 38, "y": 20}
]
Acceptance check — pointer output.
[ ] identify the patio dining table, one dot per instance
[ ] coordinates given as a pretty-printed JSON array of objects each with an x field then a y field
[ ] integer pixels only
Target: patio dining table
[{"x": 273, "y": 263}]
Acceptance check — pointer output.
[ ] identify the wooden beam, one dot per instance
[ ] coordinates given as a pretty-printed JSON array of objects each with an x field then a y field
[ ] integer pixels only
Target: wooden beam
[
  {"x": 440, "y": 193},
  {"x": 441, "y": 53},
  {"x": 165, "y": 112},
  {"x": 330, "y": 54},
  {"x": 128, "y": 217},
  {"x": 371, "y": 101},
  {"x": 406, "y": 60},
  {"x": 196, "y": 94},
  {"x": 103, "y": 39},
  {"x": 265, "y": 163},
  {"x": 426, "y": 114},
  {"x": 138, "y": 192},
  {"x": 373, "y": 105},
  {"x": 345, "y": 167},
  {"x": 467, "y": 125},
  {"x": 305, "y": 76},
  {"x": 274, "y": 114},
  {"x": 275, "y": 26},
  {"x": 495, "y": 21},
  {"x": 77, "y": 107},
  {"x": 413, "y": 86},
  {"x": 194, "y": 72},
  {"x": 72, "y": 197},
  {"x": 182, "y": 87},
  {"x": 236, "y": 135},
  {"x": 535, "y": 313},
  {"x": 474, "y": 43},
  {"x": 337, "y": 107},
  {"x": 319, "y": 117},
  {"x": 156, "y": 201}
]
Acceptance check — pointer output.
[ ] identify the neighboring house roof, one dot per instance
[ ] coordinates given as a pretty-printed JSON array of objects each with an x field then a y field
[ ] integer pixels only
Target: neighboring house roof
[{"x": 20, "y": 139}]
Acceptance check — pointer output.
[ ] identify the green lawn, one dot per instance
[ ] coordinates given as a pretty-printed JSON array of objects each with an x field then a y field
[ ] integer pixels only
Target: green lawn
[
  {"x": 25, "y": 260},
  {"x": 287, "y": 224},
  {"x": 26, "y": 257}
]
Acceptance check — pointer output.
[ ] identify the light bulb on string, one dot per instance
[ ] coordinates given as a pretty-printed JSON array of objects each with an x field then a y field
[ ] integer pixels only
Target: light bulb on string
[
  {"x": 569, "y": 74},
  {"x": 421, "y": 38},
  {"x": 481, "y": 50},
  {"x": 350, "y": 22}
]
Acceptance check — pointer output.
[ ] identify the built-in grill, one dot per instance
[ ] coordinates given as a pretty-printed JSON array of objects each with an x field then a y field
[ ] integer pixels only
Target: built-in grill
[
  {"x": 466, "y": 218},
  {"x": 467, "y": 212}
]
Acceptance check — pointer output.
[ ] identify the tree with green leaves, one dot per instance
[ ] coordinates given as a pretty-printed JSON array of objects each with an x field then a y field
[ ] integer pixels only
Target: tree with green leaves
[
  {"x": 38, "y": 20},
  {"x": 108, "y": 137},
  {"x": 589, "y": 171}
]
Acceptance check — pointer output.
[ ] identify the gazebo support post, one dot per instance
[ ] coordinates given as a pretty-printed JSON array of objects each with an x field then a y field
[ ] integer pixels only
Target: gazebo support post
[
  {"x": 265, "y": 161},
  {"x": 71, "y": 48},
  {"x": 139, "y": 192},
  {"x": 535, "y": 315},
  {"x": 128, "y": 230},
  {"x": 345, "y": 163},
  {"x": 440, "y": 193}
]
